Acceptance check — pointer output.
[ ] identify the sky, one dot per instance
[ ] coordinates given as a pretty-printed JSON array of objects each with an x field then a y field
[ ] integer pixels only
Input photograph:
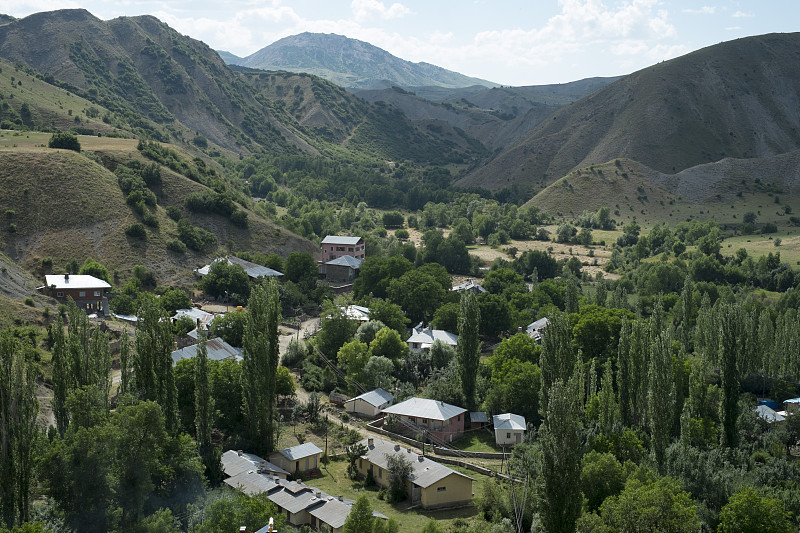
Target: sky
[{"x": 510, "y": 42}]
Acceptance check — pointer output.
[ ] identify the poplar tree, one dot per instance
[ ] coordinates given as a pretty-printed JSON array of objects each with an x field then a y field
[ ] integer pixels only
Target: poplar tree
[
  {"x": 125, "y": 362},
  {"x": 600, "y": 291},
  {"x": 730, "y": 347},
  {"x": 469, "y": 347},
  {"x": 661, "y": 395},
  {"x": 18, "y": 410},
  {"x": 558, "y": 355},
  {"x": 62, "y": 376},
  {"x": 624, "y": 384},
  {"x": 152, "y": 364},
  {"x": 204, "y": 409},
  {"x": 639, "y": 365},
  {"x": 766, "y": 340},
  {"x": 684, "y": 314},
  {"x": 260, "y": 363},
  {"x": 607, "y": 400},
  {"x": 561, "y": 442},
  {"x": 571, "y": 295}
]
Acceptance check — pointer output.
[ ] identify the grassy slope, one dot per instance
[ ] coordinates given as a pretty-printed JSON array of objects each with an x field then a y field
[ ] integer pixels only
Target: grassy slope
[
  {"x": 735, "y": 99},
  {"x": 68, "y": 207}
]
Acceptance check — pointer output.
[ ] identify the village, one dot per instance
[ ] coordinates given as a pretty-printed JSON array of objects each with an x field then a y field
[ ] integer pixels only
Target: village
[{"x": 422, "y": 434}]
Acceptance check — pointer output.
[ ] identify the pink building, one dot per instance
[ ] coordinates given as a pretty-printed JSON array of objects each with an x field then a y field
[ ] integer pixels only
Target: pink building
[
  {"x": 441, "y": 422},
  {"x": 336, "y": 246}
]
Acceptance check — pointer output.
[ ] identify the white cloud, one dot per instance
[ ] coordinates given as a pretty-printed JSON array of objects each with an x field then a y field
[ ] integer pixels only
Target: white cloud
[
  {"x": 705, "y": 10},
  {"x": 733, "y": 28},
  {"x": 743, "y": 14},
  {"x": 439, "y": 37},
  {"x": 364, "y": 10}
]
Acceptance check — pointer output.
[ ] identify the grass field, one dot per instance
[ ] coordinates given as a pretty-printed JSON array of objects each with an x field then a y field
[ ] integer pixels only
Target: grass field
[{"x": 477, "y": 441}]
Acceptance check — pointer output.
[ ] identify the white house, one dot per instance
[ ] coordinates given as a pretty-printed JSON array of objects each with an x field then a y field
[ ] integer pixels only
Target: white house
[
  {"x": 422, "y": 339},
  {"x": 792, "y": 406},
  {"x": 535, "y": 329},
  {"x": 469, "y": 286},
  {"x": 370, "y": 403},
  {"x": 509, "y": 429}
]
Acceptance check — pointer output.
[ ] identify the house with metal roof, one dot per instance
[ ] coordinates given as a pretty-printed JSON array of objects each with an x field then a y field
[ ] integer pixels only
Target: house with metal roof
[
  {"x": 509, "y": 429},
  {"x": 335, "y": 246},
  {"x": 768, "y": 414},
  {"x": 88, "y": 292},
  {"x": 792, "y": 406},
  {"x": 342, "y": 270},
  {"x": 253, "y": 270},
  {"x": 477, "y": 419},
  {"x": 430, "y": 484},
  {"x": 236, "y": 462},
  {"x": 536, "y": 329},
  {"x": 469, "y": 285},
  {"x": 300, "y": 458},
  {"x": 204, "y": 318},
  {"x": 217, "y": 349},
  {"x": 422, "y": 338},
  {"x": 370, "y": 403},
  {"x": 438, "y": 421}
]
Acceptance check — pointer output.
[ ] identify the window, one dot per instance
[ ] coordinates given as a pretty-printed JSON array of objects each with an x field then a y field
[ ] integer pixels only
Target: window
[
  {"x": 508, "y": 435},
  {"x": 350, "y": 249},
  {"x": 361, "y": 463},
  {"x": 459, "y": 418},
  {"x": 82, "y": 294},
  {"x": 441, "y": 489},
  {"x": 97, "y": 293},
  {"x": 380, "y": 472},
  {"x": 340, "y": 248},
  {"x": 59, "y": 294}
]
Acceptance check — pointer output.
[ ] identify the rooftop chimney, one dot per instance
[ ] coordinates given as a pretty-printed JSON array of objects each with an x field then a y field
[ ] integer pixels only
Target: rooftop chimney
[
  {"x": 341, "y": 498},
  {"x": 370, "y": 442},
  {"x": 66, "y": 276},
  {"x": 239, "y": 452},
  {"x": 318, "y": 494},
  {"x": 397, "y": 447},
  {"x": 243, "y": 529},
  {"x": 420, "y": 458}
]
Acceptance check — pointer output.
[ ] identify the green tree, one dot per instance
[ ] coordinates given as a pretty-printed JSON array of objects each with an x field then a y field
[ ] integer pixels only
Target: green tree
[
  {"x": 731, "y": 342},
  {"x": 260, "y": 363},
  {"x": 91, "y": 267},
  {"x": 391, "y": 315},
  {"x": 661, "y": 396},
  {"x": 560, "y": 439},
  {"x": 353, "y": 357},
  {"x": 302, "y": 269},
  {"x": 378, "y": 372},
  {"x": 360, "y": 518},
  {"x": 174, "y": 299},
  {"x": 284, "y": 382},
  {"x": 468, "y": 348},
  {"x": 747, "y": 511},
  {"x": 65, "y": 140},
  {"x": 152, "y": 364},
  {"x": 557, "y": 358},
  {"x": 226, "y": 279},
  {"x": 229, "y": 327},
  {"x": 204, "y": 411},
  {"x": 419, "y": 293},
  {"x": 652, "y": 506},
  {"x": 400, "y": 470},
  {"x": 125, "y": 364},
  {"x": 387, "y": 343},
  {"x": 601, "y": 476},
  {"x": 366, "y": 331},
  {"x": 252, "y": 512},
  {"x": 18, "y": 410},
  {"x": 495, "y": 314},
  {"x": 336, "y": 327}
]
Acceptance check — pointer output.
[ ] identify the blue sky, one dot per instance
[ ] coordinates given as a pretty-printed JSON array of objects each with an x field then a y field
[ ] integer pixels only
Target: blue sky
[{"x": 512, "y": 42}]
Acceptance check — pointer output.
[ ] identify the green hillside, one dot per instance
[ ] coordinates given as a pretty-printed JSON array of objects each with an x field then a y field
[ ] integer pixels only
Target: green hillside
[
  {"x": 64, "y": 205},
  {"x": 736, "y": 99}
]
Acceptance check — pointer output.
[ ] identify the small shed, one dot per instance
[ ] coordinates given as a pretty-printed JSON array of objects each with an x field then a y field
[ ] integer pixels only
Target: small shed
[
  {"x": 792, "y": 406},
  {"x": 478, "y": 419},
  {"x": 370, "y": 403},
  {"x": 300, "y": 458},
  {"x": 509, "y": 428}
]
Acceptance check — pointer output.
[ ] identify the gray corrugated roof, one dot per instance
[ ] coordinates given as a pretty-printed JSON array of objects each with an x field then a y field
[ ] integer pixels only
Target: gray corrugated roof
[
  {"x": 425, "y": 408},
  {"x": 218, "y": 350},
  {"x": 769, "y": 414},
  {"x": 478, "y": 416},
  {"x": 301, "y": 451},
  {"x": 340, "y": 239},
  {"x": 251, "y": 482},
  {"x": 427, "y": 336},
  {"x": 509, "y": 421},
  {"x": 294, "y": 502},
  {"x": 347, "y": 261},
  {"x": 424, "y": 473},
  {"x": 233, "y": 463},
  {"x": 331, "y": 511},
  {"x": 375, "y": 397},
  {"x": 254, "y": 270}
]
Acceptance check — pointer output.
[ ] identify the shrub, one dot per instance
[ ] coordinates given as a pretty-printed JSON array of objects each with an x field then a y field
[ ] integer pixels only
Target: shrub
[
  {"x": 29, "y": 302},
  {"x": 136, "y": 231},
  {"x": 65, "y": 140},
  {"x": 174, "y": 245},
  {"x": 174, "y": 212}
]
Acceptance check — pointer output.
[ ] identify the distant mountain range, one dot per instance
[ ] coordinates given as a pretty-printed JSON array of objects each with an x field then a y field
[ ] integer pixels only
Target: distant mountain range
[
  {"x": 349, "y": 63},
  {"x": 737, "y": 99}
]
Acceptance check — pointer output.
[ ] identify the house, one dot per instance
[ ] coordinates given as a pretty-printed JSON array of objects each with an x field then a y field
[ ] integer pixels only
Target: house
[
  {"x": 768, "y": 414},
  {"x": 430, "y": 484},
  {"x": 792, "y": 406},
  {"x": 198, "y": 316},
  {"x": 536, "y": 329},
  {"x": 508, "y": 428},
  {"x": 301, "y": 503},
  {"x": 253, "y": 270},
  {"x": 477, "y": 420},
  {"x": 335, "y": 246},
  {"x": 370, "y": 403},
  {"x": 217, "y": 349},
  {"x": 236, "y": 462},
  {"x": 88, "y": 292},
  {"x": 438, "y": 421},
  {"x": 422, "y": 339},
  {"x": 300, "y": 458},
  {"x": 356, "y": 312},
  {"x": 469, "y": 286},
  {"x": 340, "y": 271}
]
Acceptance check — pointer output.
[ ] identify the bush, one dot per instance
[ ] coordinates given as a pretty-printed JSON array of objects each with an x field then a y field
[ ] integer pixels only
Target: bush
[
  {"x": 174, "y": 212},
  {"x": 65, "y": 140},
  {"x": 136, "y": 231},
  {"x": 174, "y": 245},
  {"x": 29, "y": 302},
  {"x": 769, "y": 227}
]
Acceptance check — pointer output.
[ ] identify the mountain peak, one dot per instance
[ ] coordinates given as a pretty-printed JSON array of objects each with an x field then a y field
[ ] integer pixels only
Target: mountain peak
[{"x": 350, "y": 63}]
